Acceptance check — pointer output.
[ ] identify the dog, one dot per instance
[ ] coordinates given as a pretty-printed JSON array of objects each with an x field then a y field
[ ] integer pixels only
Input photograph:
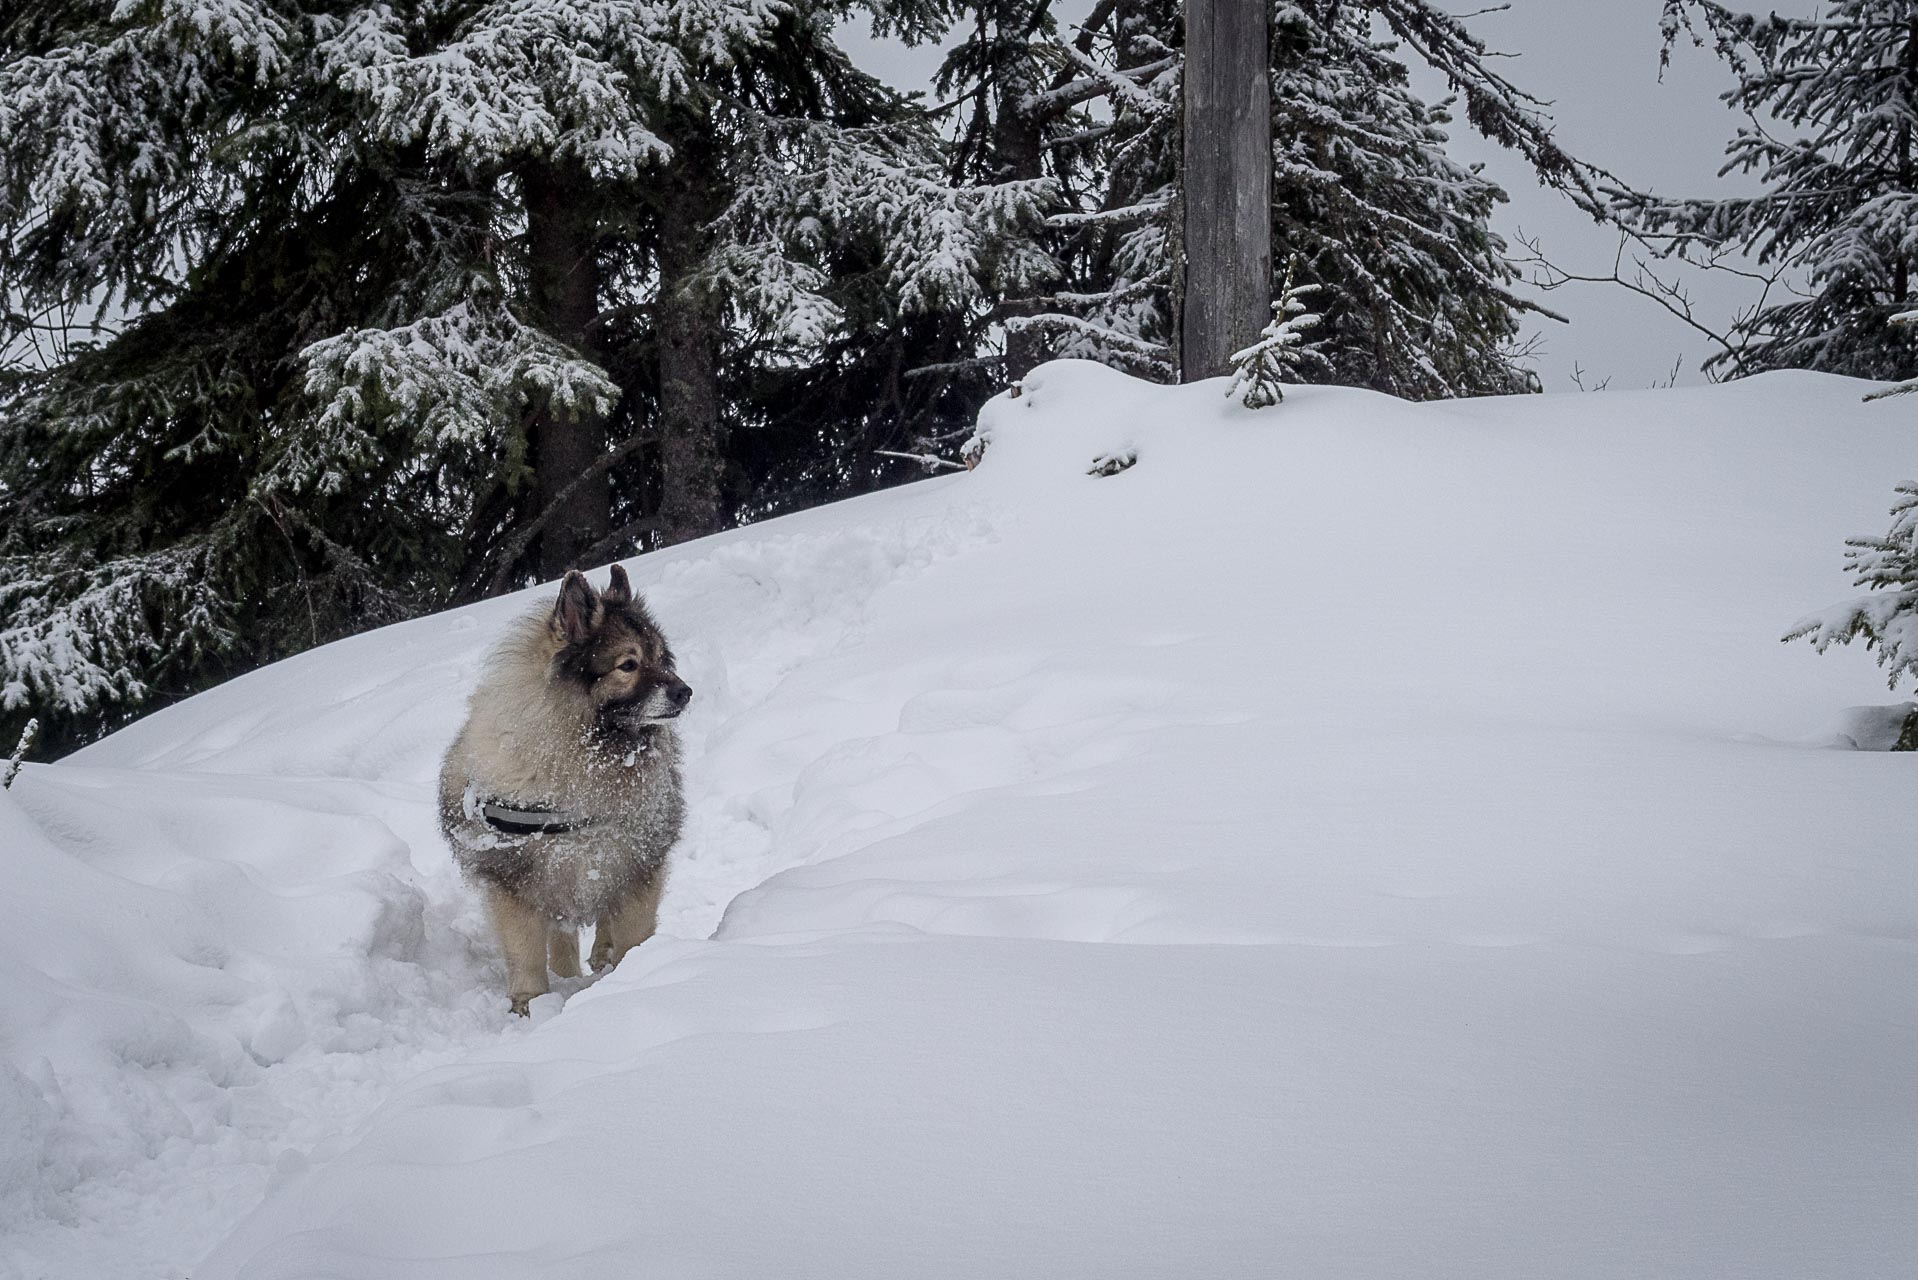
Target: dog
[{"x": 561, "y": 796}]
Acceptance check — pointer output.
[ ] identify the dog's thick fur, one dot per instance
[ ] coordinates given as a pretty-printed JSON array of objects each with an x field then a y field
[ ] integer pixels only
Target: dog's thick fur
[{"x": 573, "y": 717}]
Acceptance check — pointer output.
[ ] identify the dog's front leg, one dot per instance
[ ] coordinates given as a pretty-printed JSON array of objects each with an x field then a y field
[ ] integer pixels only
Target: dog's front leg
[
  {"x": 522, "y": 935},
  {"x": 562, "y": 948},
  {"x": 630, "y": 922}
]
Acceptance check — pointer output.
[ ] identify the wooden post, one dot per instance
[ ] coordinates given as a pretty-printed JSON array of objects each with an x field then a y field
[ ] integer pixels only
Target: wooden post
[{"x": 1226, "y": 191}]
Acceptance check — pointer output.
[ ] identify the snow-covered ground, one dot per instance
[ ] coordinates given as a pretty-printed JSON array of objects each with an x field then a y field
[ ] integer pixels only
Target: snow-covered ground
[{"x": 1358, "y": 840}]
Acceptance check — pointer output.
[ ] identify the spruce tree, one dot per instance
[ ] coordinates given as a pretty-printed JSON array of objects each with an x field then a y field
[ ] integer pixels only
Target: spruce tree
[
  {"x": 1840, "y": 173},
  {"x": 175, "y": 173}
]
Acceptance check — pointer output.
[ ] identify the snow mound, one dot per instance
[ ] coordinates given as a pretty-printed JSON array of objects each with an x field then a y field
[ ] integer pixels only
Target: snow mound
[
  {"x": 1875, "y": 728},
  {"x": 1353, "y": 838}
]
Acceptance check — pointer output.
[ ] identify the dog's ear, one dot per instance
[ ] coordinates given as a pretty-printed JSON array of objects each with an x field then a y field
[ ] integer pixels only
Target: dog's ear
[
  {"x": 620, "y": 590},
  {"x": 578, "y": 608}
]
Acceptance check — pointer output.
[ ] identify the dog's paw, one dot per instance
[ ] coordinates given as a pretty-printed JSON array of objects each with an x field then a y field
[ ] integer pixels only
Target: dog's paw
[{"x": 520, "y": 1006}]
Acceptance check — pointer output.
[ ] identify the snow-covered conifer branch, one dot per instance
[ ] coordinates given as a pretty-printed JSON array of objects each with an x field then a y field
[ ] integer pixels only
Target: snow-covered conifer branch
[
  {"x": 929, "y": 461},
  {"x": 1098, "y": 80},
  {"x": 763, "y": 280},
  {"x": 103, "y": 180},
  {"x": 1124, "y": 216},
  {"x": 523, "y": 78},
  {"x": 1887, "y": 619},
  {"x": 1117, "y": 346},
  {"x": 813, "y": 183},
  {"x": 463, "y": 375},
  {"x": 71, "y": 650}
]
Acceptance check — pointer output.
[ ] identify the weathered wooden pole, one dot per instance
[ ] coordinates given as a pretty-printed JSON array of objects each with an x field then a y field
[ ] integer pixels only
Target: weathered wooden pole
[{"x": 1226, "y": 294}]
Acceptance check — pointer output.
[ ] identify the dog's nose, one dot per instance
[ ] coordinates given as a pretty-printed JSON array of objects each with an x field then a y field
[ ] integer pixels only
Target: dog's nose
[{"x": 680, "y": 694}]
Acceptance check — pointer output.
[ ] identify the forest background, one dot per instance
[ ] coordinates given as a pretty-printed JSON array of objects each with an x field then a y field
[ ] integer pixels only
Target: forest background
[{"x": 323, "y": 315}]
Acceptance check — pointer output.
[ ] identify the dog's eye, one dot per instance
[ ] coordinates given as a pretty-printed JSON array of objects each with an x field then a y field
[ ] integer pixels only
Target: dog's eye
[{"x": 631, "y": 664}]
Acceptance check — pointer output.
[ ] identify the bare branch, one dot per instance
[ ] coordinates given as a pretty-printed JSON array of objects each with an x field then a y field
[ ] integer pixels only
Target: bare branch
[
  {"x": 618, "y": 538},
  {"x": 1671, "y": 295},
  {"x": 1578, "y": 379},
  {"x": 930, "y": 461},
  {"x": 522, "y": 537}
]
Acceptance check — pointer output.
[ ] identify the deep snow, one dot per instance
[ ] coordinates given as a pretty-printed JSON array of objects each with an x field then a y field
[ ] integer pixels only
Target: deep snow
[{"x": 1510, "y": 913}]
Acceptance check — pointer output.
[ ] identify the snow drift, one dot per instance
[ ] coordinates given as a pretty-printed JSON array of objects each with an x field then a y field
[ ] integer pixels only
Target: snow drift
[{"x": 1357, "y": 838}]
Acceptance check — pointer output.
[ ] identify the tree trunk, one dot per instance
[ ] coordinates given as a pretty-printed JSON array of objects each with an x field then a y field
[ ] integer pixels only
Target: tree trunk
[
  {"x": 1018, "y": 138},
  {"x": 1226, "y": 296},
  {"x": 689, "y": 328},
  {"x": 563, "y": 295}
]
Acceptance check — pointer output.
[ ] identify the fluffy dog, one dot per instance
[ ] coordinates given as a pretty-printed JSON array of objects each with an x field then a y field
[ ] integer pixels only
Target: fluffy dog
[{"x": 561, "y": 796}]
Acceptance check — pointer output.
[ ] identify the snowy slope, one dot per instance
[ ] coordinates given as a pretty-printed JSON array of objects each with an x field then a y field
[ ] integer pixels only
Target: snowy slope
[{"x": 1360, "y": 839}]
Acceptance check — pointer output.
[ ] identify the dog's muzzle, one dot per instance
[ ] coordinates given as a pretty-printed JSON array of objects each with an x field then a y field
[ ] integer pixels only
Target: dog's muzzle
[{"x": 658, "y": 704}]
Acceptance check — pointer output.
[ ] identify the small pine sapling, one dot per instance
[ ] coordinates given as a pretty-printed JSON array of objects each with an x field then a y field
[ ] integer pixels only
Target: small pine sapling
[
  {"x": 1282, "y": 348},
  {"x": 12, "y": 770},
  {"x": 1887, "y": 619}
]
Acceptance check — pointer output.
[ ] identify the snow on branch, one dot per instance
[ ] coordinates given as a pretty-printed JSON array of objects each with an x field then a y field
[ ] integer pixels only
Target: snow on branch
[
  {"x": 1124, "y": 216},
  {"x": 1098, "y": 81},
  {"x": 542, "y": 77},
  {"x": 931, "y": 462},
  {"x": 815, "y": 184},
  {"x": 1114, "y": 345},
  {"x": 462, "y": 375},
  {"x": 765, "y": 282},
  {"x": 76, "y": 633},
  {"x": 1887, "y": 619},
  {"x": 88, "y": 139}
]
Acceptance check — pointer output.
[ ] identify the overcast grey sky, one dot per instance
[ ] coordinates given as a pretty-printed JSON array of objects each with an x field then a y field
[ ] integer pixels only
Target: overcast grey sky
[{"x": 1597, "y": 61}]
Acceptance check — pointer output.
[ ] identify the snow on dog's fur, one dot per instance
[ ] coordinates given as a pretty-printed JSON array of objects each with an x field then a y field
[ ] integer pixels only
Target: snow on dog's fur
[{"x": 561, "y": 795}]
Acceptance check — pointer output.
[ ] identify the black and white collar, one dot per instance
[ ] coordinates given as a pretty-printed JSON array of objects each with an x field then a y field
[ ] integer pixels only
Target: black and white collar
[{"x": 524, "y": 820}]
